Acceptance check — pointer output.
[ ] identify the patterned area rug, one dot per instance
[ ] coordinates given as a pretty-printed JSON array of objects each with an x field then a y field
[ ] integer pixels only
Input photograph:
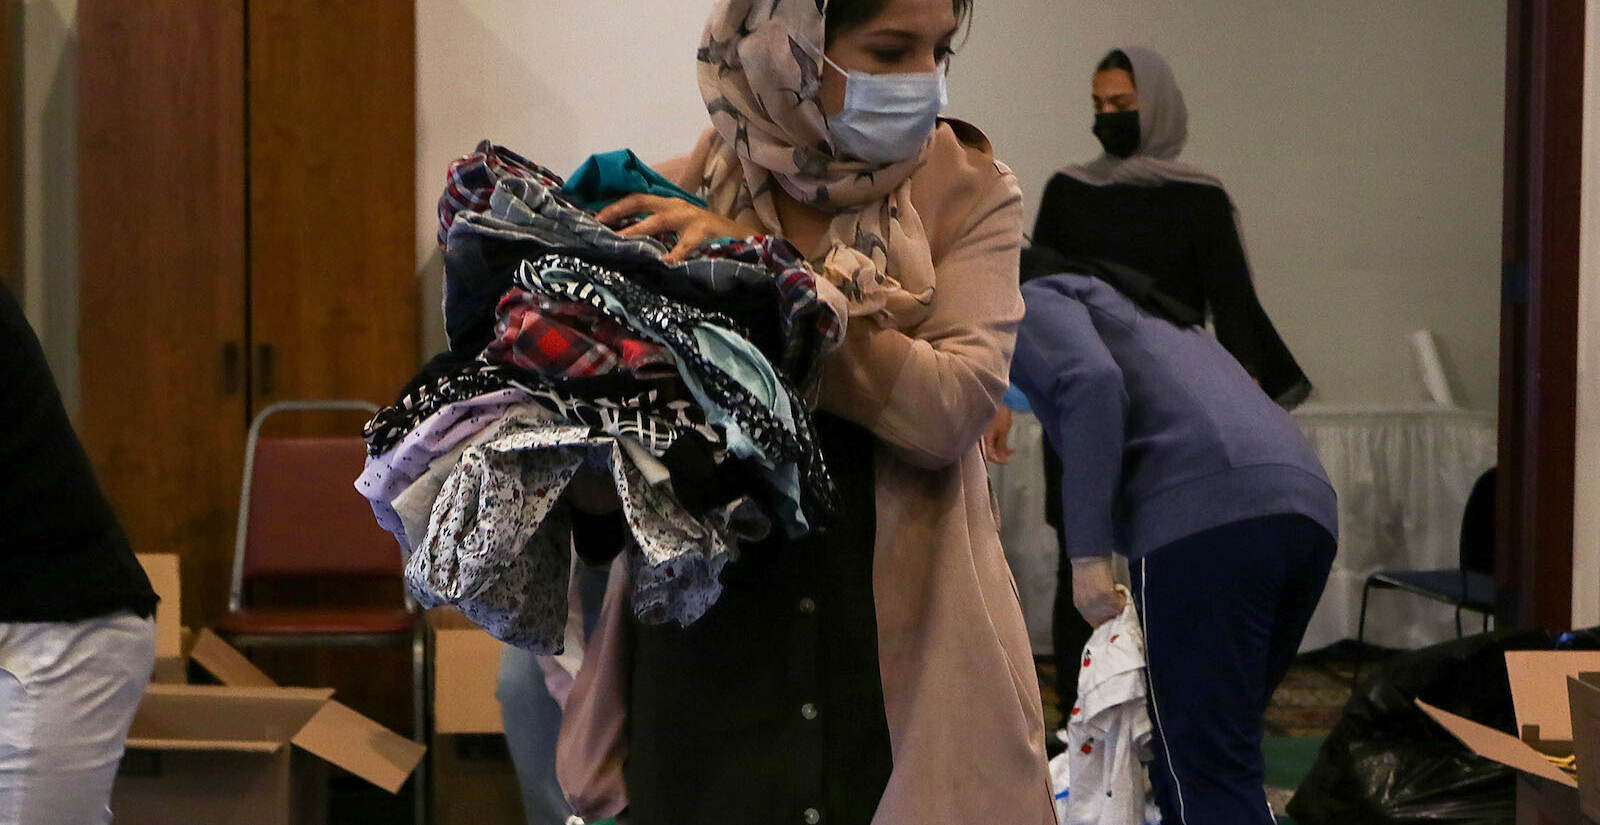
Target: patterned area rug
[
  {"x": 1307, "y": 703},
  {"x": 1309, "y": 699},
  {"x": 1305, "y": 707}
]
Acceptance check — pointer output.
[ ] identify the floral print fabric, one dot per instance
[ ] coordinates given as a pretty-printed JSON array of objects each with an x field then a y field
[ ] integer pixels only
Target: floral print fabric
[{"x": 498, "y": 538}]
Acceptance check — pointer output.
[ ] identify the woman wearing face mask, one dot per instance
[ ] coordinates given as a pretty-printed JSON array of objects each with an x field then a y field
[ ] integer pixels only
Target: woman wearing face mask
[
  {"x": 1138, "y": 206},
  {"x": 880, "y": 671}
]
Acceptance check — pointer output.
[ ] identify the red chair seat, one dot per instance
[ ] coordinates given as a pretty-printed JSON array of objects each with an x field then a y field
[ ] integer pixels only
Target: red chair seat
[{"x": 316, "y": 621}]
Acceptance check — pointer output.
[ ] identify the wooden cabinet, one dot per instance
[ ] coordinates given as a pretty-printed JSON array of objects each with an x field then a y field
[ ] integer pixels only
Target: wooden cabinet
[
  {"x": 246, "y": 230},
  {"x": 11, "y": 145}
]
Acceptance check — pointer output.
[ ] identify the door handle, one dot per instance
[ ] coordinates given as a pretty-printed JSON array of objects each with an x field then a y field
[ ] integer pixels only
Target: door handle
[
  {"x": 265, "y": 356},
  {"x": 230, "y": 368}
]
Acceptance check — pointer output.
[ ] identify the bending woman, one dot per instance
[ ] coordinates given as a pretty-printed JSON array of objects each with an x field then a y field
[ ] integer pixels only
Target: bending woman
[
  {"x": 1180, "y": 463},
  {"x": 879, "y": 672}
]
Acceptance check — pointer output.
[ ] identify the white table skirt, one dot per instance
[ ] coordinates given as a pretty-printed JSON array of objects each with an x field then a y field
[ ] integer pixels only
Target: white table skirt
[{"x": 1402, "y": 473}]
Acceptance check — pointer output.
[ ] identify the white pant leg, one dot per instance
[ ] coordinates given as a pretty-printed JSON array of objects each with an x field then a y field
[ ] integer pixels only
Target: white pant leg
[{"x": 68, "y": 692}]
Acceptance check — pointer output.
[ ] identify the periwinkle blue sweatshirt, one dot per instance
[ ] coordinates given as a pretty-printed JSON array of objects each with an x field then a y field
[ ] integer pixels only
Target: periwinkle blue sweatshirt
[{"x": 1161, "y": 433}]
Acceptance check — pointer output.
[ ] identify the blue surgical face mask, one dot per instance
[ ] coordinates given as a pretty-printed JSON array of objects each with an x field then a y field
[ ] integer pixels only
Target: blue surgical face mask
[{"x": 886, "y": 117}]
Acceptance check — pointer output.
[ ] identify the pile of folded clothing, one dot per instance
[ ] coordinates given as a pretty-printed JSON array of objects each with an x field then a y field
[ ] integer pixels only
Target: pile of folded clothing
[{"x": 576, "y": 352}]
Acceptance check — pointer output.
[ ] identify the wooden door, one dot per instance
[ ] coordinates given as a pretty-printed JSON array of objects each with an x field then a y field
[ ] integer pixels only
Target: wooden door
[
  {"x": 333, "y": 295},
  {"x": 11, "y": 145},
  {"x": 161, "y": 275},
  {"x": 333, "y": 292}
]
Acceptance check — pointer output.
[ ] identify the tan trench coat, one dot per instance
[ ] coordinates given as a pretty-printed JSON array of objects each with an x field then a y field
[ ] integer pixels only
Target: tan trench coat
[{"x": 962, "y": 700}]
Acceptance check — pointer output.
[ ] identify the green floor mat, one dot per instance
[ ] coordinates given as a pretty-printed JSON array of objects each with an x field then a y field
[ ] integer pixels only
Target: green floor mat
[{"x": 1289, "y": 759}]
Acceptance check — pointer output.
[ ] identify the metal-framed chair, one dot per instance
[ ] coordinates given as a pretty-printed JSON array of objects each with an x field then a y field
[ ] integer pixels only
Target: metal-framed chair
[
  {"x": 301, "y": 518},
  {"x": 1468, "y": 587}
]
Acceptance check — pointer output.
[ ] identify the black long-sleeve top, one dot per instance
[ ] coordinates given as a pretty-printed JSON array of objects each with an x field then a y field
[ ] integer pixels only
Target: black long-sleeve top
[
  {"x": 63, "y": 557},
  {"x": 1184, "y": 237}
]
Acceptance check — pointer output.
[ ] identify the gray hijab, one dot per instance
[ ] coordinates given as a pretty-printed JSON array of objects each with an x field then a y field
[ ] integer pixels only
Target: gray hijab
[{"x": 1163, "y": 130}]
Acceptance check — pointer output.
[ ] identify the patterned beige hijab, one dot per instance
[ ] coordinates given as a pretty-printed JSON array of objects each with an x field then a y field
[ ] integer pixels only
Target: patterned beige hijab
[{"x": 760, "y": 65}]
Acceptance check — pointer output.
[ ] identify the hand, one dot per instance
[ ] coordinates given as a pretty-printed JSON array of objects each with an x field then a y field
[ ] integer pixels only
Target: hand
[
  {"x": 1094, "y": 590},
  {"x": 995, "y": 441},
  {"x": 694, "y": 225},
  {"x": 594, "y": 493}
]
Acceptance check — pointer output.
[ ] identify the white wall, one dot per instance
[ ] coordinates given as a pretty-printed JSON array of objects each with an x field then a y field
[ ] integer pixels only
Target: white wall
[
  {"x": 556, "y": 80},
  {"x": 49, "y": 197},
  {"x": 1586, "y": 506},
  {"x": 1360, "y": 139}
]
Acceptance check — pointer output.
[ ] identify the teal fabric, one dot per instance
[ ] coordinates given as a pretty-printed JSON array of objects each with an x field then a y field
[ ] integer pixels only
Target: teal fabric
[{"x": 609, "y": 176}]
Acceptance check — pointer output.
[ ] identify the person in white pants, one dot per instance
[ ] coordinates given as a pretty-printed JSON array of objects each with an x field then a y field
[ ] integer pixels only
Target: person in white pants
[
  {"x": 68, "y": 691},
  {"x": 77, "y": 635}
]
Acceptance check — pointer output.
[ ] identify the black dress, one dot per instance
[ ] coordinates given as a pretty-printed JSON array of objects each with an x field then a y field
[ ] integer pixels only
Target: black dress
[
  {"x": 1184, "y": 237},
  {"x": 63, "y": 557},
  {"x": 770, "y": 708}
]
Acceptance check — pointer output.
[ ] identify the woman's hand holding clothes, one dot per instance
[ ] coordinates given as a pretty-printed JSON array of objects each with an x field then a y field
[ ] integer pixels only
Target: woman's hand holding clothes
[{"x": 695, "y": 226}]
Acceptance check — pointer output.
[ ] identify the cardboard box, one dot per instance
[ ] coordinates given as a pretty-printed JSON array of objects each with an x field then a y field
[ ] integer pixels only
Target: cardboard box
[
  {"x": 1542, "y": 802},
  {"x": 1540, "y": 684},
  {"x": 1583, "y": 694},
  {"x": 162, "y": 568},
  {"x": 466, "y": 662},
  {"x": 474, "y": 782},
  {"x": 247, "y": 752}
]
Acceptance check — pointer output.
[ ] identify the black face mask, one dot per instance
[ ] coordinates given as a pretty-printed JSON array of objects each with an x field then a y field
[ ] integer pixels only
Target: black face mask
[{"x": 1118, "y": 132}]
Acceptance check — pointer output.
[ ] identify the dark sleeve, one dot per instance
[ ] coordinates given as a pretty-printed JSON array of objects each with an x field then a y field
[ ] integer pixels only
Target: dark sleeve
[
  {"x": 63, "y": 556},
  {"x": 1050, "y": 227},
  {"x": 1241, "y": 324},
  {"x": 598, "y": 539}
]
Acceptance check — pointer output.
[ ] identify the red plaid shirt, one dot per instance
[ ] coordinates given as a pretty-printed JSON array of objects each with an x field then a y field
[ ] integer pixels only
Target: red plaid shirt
[
  {"x": 470, "y": 180},
  {"x": 565, "y": 339}
]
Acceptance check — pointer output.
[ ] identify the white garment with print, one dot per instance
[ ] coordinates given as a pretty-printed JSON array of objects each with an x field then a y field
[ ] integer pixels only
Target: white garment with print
[{"x": 1108, "y": 731}]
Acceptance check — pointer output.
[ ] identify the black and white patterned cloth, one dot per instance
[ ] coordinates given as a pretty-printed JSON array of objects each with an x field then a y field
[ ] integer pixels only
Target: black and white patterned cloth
[
  {"x": 672, "y": 323},
  {"x": 647, "y": 416}
]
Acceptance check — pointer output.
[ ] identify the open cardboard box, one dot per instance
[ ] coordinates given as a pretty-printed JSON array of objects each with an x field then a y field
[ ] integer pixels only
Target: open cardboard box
[
  {"x": 247, "y": 752},
  {"x": 1557, "y": 699},
  {"x": 171, "y": 641},
  {"x": 465, "y": 661},
  {"x": 474, "y": 781},
  {"x": 1583, "y": 693}
]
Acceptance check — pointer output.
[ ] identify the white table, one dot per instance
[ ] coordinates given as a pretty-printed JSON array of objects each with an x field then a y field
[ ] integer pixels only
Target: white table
[{"x": 1403, "y": 474}]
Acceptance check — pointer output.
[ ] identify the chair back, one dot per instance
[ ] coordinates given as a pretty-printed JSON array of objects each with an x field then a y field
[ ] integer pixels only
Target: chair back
[
  {"x": 306, "y": 518},
  {"x": 1477, "y": 527},
  {"x": 300, "y": 515}
]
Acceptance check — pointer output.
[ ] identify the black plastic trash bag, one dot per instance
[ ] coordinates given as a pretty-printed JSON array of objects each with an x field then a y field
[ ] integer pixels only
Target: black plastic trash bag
[{"x": 1387, "y": 763}]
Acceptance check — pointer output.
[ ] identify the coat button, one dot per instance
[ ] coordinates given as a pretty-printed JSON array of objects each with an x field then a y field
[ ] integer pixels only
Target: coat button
[
  {"x": 813, "y": 816},
  {"x": 808, "y": 605},
  {"x": 809, "y": 711}
]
